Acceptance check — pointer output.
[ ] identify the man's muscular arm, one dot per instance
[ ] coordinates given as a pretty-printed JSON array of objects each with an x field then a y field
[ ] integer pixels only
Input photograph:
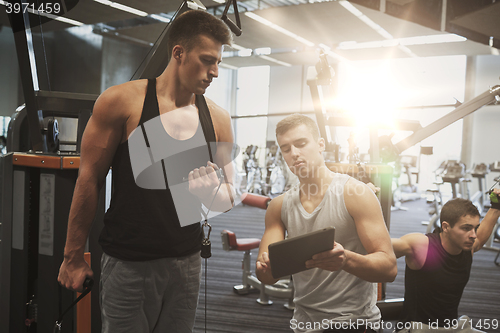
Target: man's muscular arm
[
  {"x": 487, "y": 225},
  {"x": 379, "y": 264},
  {"x": 102, "y": 136},
  {"x": 274, "y": 232}
]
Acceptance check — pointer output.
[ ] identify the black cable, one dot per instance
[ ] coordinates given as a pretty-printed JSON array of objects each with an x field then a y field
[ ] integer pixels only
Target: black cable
[
  {"x": 157, "y": 39},
  {"x": 43, "y": 47},
  {"x": 87, "y": 284},
  {"x": 206, "y": 270}
]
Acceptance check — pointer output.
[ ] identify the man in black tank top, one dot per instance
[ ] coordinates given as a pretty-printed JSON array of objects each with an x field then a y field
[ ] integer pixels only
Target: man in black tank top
[
  {"x": 151, "y": 265},
  {"x": 438, "y": 265}
]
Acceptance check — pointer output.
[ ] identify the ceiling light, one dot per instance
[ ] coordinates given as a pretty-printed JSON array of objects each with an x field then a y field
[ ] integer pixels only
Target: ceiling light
[
  {"x": 381, "y": 31},
  {"x": 282, "y": 63},
  {"x": 347, "y": 5},
  {"x": 418, "y": 40},
  {"x": 238, "y": 47},
  {"x": 123, "y": 7},
  {"x": 278, "y": 28},
  {"x": 245, "y": 53},
  {"x": 432, "y": 39},
  {"x": 160, "y": 18},
  {"x": 258, "y": 18},
  {"x": 63, "y": 19},
  {"x": 223, "y": 65},
  {"x": 263, "y": 51},
  {"x": 325, "y": 47},
  {"x": 356, "y": 12}
]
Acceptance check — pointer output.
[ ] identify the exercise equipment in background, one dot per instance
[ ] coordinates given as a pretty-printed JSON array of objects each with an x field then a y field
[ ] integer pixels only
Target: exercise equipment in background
[
  {"x": 281, "y": 289},
  {"x": 479, "y": 172},
  {"x": 270, "y": 180},
  {"x": 454, "y": 174},
  {"x": 409, "y": 191}
]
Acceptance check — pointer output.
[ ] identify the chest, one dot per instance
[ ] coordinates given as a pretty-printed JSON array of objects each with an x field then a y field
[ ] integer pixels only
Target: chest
[
  {"x": 310, "y": 203},
  {"x": 181, "y": 124}
]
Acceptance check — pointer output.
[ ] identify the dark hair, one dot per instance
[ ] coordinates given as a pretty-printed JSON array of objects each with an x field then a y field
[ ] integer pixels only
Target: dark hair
[
  {"x": 187, "y": 27},
  {"x": 454, "y": 209},
  {"x": 295, "y": 120}
]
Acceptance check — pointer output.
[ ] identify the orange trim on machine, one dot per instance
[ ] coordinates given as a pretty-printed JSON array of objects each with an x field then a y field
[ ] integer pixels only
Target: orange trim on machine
[
  {"x": 83, "y": 309},
  {"x": 46, "y": 161},
  {"x": 71, "y": 162},
  {"x": 37, "y": 161}
]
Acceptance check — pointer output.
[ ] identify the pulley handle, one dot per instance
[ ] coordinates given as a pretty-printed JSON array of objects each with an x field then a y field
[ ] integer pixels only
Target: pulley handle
[{"x": 235, "y": 28}]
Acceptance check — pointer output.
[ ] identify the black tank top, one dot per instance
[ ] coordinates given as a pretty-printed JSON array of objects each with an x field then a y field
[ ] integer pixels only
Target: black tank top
[
  {"x": 434, "y": 291},
  {"x": 142, "y": 223}
]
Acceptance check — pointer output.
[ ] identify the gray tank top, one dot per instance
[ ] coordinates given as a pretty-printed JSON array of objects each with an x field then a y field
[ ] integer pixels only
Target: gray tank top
[{"x": 319, "y": 294}]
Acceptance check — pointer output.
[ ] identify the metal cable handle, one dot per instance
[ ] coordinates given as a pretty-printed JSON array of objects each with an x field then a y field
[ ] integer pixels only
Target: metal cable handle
[{"x": 87, "y": 285}]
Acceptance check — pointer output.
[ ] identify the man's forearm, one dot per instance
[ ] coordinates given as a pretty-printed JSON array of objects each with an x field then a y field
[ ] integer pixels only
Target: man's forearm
[
  {"x": 373, "y": 267},
  {"x": 486, "y": 227},
  {"x": 81, "y": 216},
  {"x": 265, "y": 277}
]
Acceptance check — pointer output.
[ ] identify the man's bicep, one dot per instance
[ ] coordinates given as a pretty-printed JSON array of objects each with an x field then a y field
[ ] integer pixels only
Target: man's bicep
[
  {"x": 374, "y": 235},
  {"x": 101, "y": 137},
  {"x": 275, "y": 230},
  {"x": 365, "y": 209},
  {"x": 224, "y": 160},
  {"x": 226, "y": 150},
  {"x": 414, "y": 248},
  {"x": 401, "y": 247}
]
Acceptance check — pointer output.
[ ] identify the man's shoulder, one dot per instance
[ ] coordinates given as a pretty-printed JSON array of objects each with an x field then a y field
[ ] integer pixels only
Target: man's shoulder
[
  {"x": 217, "y": 112},
  {"x": 120, "y": 101},
  {"x": 221, "y": 120},
  {"x": 276, "y": 203},
  {"x": 416, "y": 240},
  {"x": 125, "y": 92}
]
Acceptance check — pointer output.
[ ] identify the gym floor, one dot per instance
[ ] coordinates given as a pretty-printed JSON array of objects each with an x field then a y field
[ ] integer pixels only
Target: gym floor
[{"x": 232, "y": 313}]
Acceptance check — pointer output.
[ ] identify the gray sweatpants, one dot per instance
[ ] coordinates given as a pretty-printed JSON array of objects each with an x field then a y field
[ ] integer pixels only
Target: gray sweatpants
[{"x": 149, "y": 296}]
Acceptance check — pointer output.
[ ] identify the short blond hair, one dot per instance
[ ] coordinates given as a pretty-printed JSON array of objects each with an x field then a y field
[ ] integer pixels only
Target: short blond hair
[{"x": 295, "y": 120}]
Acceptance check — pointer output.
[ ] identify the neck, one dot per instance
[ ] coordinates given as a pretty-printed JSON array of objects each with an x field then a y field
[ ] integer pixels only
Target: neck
[
  {"x": 448, "y": 245},
  {"x": 170, "y": 90},
  {"x": 317, "y": 182}
]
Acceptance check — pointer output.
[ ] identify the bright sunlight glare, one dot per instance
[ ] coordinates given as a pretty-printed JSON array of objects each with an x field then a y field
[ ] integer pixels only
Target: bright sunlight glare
[{"x": 369, "y": 94}]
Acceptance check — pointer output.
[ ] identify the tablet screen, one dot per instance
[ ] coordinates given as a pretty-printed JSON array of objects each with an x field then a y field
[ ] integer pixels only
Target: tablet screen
[{"x": 289, "y": 256}]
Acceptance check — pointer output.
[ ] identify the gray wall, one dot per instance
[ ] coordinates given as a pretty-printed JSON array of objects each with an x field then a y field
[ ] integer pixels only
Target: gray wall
[
  {"x": 486, "y": 123},
  {"x": 75, "y": 61},
  {"x": 119, "y": 61},
  {"x": 287, "y": 93},
  {"x": 72, "y": 60}
]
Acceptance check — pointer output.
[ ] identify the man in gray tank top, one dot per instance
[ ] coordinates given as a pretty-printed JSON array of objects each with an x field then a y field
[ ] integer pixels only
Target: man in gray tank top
[{"x": 338, "y": 291}]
